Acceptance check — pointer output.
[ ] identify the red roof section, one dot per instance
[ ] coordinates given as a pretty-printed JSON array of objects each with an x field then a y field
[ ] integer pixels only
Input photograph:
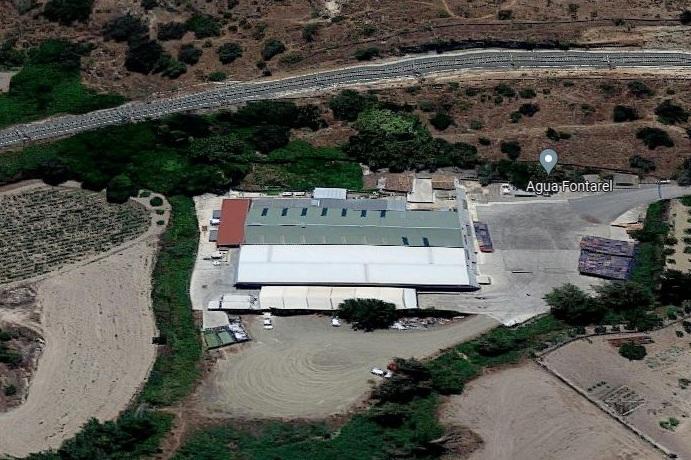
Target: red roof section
[{"x": 231, "y": 230}]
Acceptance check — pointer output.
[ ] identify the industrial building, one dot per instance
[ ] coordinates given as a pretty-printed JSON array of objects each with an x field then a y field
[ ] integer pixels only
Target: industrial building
[{"x": 312, "y": 253}]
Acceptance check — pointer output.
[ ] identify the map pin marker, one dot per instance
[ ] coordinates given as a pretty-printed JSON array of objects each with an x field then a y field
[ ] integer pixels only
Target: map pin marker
[{"x": 548, "y": 159}]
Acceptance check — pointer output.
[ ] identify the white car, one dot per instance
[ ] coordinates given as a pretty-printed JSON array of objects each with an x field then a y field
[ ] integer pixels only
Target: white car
[
  {"x": 378, "y": 372},
  {"x": 335, "y": 322},
  {"x": 388, "y": 375},
  {"x": 506, "y": 189},
  {"x": 268, "y": 324}
]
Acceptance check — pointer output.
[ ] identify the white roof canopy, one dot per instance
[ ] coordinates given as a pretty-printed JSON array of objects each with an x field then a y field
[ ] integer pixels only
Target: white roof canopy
[{"x": 330, "y": 297}]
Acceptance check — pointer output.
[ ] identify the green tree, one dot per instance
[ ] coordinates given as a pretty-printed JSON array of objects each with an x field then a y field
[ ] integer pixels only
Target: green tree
[
  {"x": 189, "y": 54},
  {"x": 270, "y": 137},
  {"x": 203, "y": 26},
  {"x": 632, "y": 352},
  {"x": 348, "y": 104},
  {"x": 120, "y": 189},
  {"x": 68, "y": 11},
  {"x": 171, "y": 31},
  {"x": 124, "y": 28},
  {"x": 669, "y": 113},
  {"x": 229, "y": 52},
  {"x": 622, "y": 113},
  {"x": 367, "y": 314},
  {"x": 366, "y": 54},
  {"x": 570, "y": 304},
  {"x": 622, "y": 296},
  {"x": 143, "y": 56},
  {"x": 271, "y": 48},
  {"x": 512, "y": 149},
  {"x": 441, "y": 121},
  {"x": 654, "y": 138},
  {"x": 640, "y": 89}
]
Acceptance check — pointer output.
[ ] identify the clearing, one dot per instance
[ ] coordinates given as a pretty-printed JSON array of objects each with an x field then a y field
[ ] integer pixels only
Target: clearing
[
  {"x": 305, "y": 368},
  {"x": 523, "y": 413},
  {"x": 643, "y": 392}
]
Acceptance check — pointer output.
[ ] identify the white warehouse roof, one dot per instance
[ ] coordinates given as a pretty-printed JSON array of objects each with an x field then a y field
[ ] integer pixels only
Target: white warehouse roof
[
  {"x": 333, "y": 193},
  {"x": 360, "y": 265},
  {"x": 329, "y": 298}
]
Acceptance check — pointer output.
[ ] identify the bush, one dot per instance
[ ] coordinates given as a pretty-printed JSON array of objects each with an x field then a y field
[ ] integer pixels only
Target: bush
[
  {"x": 367, "y": 314},
  {"x": 309, "y": 31},
  {"x": 348, "y": 104},
  {"x": 156, "y": 201},
  {"x": 512, "y": 149},
  {"x": 217, "y": 76},
  {"x": 504, "y": 15},
  {"x": 600, "y": 329},
  {"x": 640, "y": 89},
  {"x": 149, "y": 4},
  {"x": 366, "y": 54},
  {"x": 572, "y": 305},
  {"x": 484, "y": 141},
  {"x": 504, "y": 90},
  {"x": 189, "y": 54},
  {"x": 685, "y": 17},
  {"x": 270, "y": 137},
  {"x": 143, "y": 56},
  {"x": 10, "y": 390},
  {"x": 120, "y": 189},
  {"x": 272, "y": 48},
  {"x": 527, "y": 93},
  {"x": 229, "y": 52},
  {"x": 171, "y": 31},
  {"x": 529, "y": 109},
  {"x": 632, "y": 352},
  {"x": 124, "y": 27},
  {"x": 68, "y": 11},
  {"x": 203, "y": 26},
  {"x": 515, "y": 117},
  {"x": 654, "y": 138},
  {"x": 290, "y": 58},
  {"x": 622, "y": 113},
  {"x": 644, "y": 164},
  {"x": 669, "y": 113},
  {"x": 441, "y": 121}
]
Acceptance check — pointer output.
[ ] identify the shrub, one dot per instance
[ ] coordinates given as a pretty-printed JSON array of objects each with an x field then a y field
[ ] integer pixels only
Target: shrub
[
  {"x": 143, "y": 56},
  {"x": 527, "y": 93},
  {"x": 670, "y": 113},
  {"x": 290, "y": 58},
  {"x": 515, "y": 117},
  {"x": 124, "y": 27},
  {"x": 640, "y": 89},
  {"x": 426, "y": 106},
  {"x": 685, "y": 17},
  {"x": 217, "y": 76},
  {"x": 529, "y": 109},
  {"x": 644, "y": 164},
  {"x": 475, "y": 125},
  {"x": 504, "y": 90},
  {"x": 270, "y": 137},
  {"x": 654, "y": 137},
  {"x": 229, "y": 52},
  {"x": 441, "y": 121},
  {"x": 670, "y": 424},
  {"x": 572, "y": 305},
  {"x": 120, "y": 189},
  {"x": 622, "y": 113},
  {"x": 149, "y": 4},
  {"x": 484, "y": 141},
  {"x": 171, "y": 31},
  {"x": 348, "y": 104},
  {"x": 272, "y": 48},
  {"x": 203, "y": 26},
  {"x": 366, "y": 54},
  {"x": 600, "y": 329},
  {"x": 10, "y": 390},
  {"x": 504, "y": 15},
  {"x": 367, "y": 314},
  {"x": 632, "y": 352},
  {"x": 156, "y": 201},
  {"x": 68, "y": 11},
  {"x": 512, "y": 149},
  {"x": 189, "y": 54},
  {"x": 309, "y": 31}
]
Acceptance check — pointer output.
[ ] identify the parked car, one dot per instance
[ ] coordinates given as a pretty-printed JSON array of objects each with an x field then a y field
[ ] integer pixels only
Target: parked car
[
  {"x": 335, "y": 322},
  {"x": 378, "y": 372},
  {"x": 506, "y": 189},
  {"x": 388, "y": 375},
  {"x": 268, "y": 324}
]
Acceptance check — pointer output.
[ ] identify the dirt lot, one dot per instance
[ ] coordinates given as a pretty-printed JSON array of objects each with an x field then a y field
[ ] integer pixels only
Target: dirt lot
[
  {"x": 304, "y": 368},
  {"x": 97, "y": 353},
  {"x": 649, "y": 390},
  {"x": 342, "y": 27},
  {"x": 523, "y": 413}
]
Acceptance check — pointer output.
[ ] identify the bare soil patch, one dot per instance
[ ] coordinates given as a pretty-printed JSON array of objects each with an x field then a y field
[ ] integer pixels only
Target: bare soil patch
[
  {"x": 98, "y": 324},
  {"x": 304, "y": 368},
  {"x": 523, "y": 413},
  {"x": 644, "y": 392}
]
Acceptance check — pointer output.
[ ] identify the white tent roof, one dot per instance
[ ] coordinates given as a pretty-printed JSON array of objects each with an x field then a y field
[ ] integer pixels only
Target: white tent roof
[
  {"x": 330, "y": 297},
  {"x": 358, "y": 265},
  {"x": 334, "y": 193}
]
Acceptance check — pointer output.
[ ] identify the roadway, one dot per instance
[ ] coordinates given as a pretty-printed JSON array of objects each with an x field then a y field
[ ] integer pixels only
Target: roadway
[{"x": 386, "y": 71}]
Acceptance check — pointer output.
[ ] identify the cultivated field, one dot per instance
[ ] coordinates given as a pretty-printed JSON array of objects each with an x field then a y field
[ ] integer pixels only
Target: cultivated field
[
  {"x": 306, "y": 368},
  {"x": 645, "y": 392},
  {"x": 523, "y": 413},
  {"x": 681, "y": 221},
  {"x": 97, "y": 324},
  {"x": 46, "y": 228}
]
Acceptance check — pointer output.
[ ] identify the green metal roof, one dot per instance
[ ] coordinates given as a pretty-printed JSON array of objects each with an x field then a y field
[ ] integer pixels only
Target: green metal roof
[{"x": 317, "y": 225}]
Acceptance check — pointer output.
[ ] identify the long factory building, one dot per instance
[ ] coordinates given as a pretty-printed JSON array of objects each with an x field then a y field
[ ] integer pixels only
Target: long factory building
[{"x": 347, "y": 242}]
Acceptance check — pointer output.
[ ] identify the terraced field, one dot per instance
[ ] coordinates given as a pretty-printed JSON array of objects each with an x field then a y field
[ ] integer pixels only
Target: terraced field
[{"x": 46, "y": 228}]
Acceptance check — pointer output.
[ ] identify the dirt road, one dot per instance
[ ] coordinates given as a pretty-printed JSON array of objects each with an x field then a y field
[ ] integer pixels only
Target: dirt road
[
  {"x": 306, "y": 368},
  {"x": 97, "y": 324},
  {"x": 524, "y": 413}
]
